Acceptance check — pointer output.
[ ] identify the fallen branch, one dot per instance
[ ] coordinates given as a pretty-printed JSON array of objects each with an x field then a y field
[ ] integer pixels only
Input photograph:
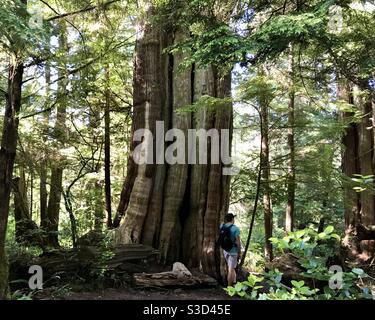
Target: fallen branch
[{"x": 180, "y": 276}]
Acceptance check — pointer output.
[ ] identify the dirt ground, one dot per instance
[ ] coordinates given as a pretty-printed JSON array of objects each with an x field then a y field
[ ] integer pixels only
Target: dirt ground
[{"x": 141, "y": 294}]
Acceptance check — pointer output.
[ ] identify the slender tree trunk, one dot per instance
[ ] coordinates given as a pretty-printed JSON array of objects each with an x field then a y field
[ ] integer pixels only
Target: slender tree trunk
[
  {"x": 257, "y": 195},
  {"x": 43, "y": 195},
  {"x": 7, "y": 156},
  {"x": 95, "y": 187},
  {"x": 72, "y": 218},
  {"x": 268, "y": 224},
  {"x": 31, "y": 193},
  {"x": 44, "y": 162},
  {"x": 53, "y": 210},
  {"x": 291, "y": 176},
  {"x": 98, "y": 206},
  {"x": 107, "y": 153}
]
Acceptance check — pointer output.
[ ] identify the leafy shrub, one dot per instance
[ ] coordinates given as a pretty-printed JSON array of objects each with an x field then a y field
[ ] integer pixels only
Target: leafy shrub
[{"x": 312, "y": 250}]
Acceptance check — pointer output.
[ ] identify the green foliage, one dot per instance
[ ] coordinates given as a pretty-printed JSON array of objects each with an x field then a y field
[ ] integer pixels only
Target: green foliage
[
  {"x": 19, "y": 295},
  {"x": 217, "y": 46},
  {"x": 17, "y": 30},
  {"x": 305, "y": 243},
  {"x": 312, "y": 249},
  {"x": 317, "y": 137},
  {"x": 101, "y": 43},
  {"x": 256, "y": 88},
  {"x": 100, "y": 272},
  {"x": 275, "y": 35},
  {"x": 211, "y": 104}
]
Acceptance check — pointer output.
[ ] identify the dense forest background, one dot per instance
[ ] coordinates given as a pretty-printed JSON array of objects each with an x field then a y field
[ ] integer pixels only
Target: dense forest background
[{"x": 293, "y": 82}]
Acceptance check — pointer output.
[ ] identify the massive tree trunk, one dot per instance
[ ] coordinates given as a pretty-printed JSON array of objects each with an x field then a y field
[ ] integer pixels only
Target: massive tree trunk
[
  {"x": 362, "y": 101},
  {"x": 7, "y": 156},
  {"x": 350, "y": 165},
  {"x": 177, "y": 207},
  {"x": 53, "y": 210},
  {"x": 358, "y": 158},
  {"x": 365, "y": 153}
]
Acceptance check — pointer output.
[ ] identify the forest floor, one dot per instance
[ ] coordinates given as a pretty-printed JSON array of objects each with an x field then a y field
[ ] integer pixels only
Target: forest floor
[{"x": 140, "y": 294}]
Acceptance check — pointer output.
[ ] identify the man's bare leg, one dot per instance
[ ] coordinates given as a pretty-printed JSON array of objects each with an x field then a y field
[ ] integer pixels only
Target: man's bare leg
[{"x": 231, "y": 276}]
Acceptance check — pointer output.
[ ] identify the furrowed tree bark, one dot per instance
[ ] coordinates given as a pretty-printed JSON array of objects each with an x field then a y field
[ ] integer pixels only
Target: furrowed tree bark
[
  {"x": 365, "y": 153},
  {"x": 7, "y": 156},
  {"x": 53, "y": 209},
  {"x": 218, "y": 187},
  {"x": 358, "y": 158},
  {"x": 147, "y": 90},
  {"x": 350, "y": 165},
  {"x": 204, "y": 84},
  {"x": 174, "y": 210},
  {"x": 175, "y": 207},
  {"x": 151, "y": 233}
]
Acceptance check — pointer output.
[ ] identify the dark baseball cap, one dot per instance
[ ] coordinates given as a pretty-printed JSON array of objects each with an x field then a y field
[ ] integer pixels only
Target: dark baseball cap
[{"x": 229, "y": 217}]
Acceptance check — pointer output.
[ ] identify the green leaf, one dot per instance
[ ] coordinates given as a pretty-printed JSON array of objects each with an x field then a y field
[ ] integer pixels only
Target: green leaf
[
  {"x": 298, "y": 284},
  {"x": 358, "y": 271},
  {"x": 300, "y": 233},
  {"x": 329, "y": 229},
  {"x": 336, "y": 236},
  {"x": 257, "y": 287},
  {"x": 322, "y": 235}
]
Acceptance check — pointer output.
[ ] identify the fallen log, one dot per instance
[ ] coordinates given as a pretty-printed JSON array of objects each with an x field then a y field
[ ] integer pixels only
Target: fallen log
[
  {"x": 291, "y": 269},
  {"x": 288, "y": 265},
  {"x": 180, "y": 276},
  {"x": 85, "y": 261}
]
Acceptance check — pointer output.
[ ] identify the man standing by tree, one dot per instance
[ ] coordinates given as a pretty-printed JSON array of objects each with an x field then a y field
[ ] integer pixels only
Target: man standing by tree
[{"x": 229, "y": 241}]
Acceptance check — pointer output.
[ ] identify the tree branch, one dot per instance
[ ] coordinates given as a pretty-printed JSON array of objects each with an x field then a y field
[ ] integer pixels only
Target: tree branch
[
  {"x": 39, "y": 112},
  {"x": 68, "y": 14}
]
